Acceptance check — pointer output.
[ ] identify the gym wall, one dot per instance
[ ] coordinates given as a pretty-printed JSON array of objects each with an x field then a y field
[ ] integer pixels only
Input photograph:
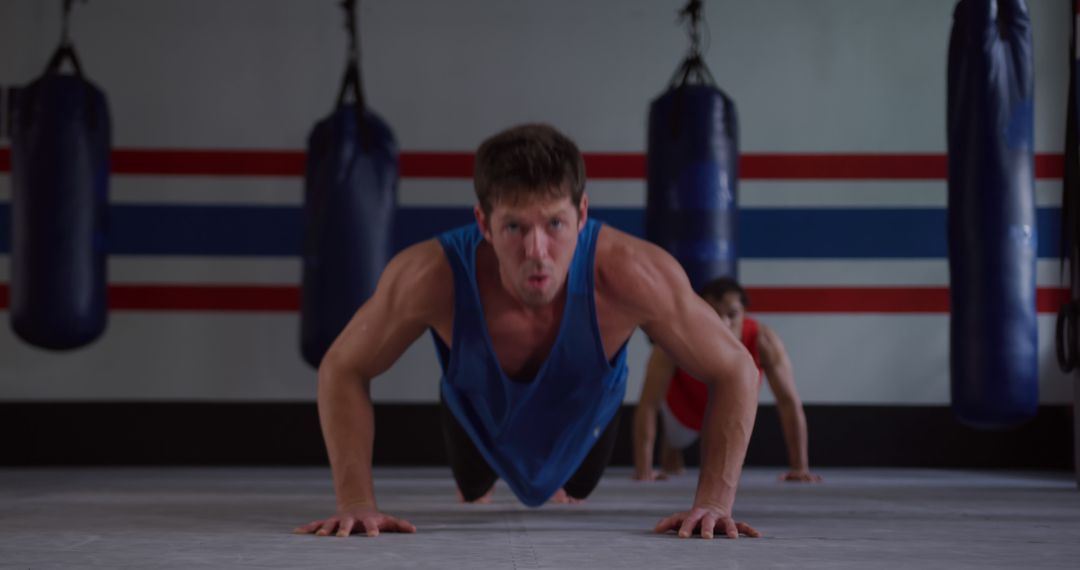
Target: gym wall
[{"x": 842, "y": 114}]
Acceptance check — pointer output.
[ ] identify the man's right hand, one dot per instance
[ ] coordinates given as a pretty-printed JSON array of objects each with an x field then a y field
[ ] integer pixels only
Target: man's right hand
[
  {"x": 357, "y": 519},
  {"x": 800, "y": 476},
  {"x": 649, "y": 475}
]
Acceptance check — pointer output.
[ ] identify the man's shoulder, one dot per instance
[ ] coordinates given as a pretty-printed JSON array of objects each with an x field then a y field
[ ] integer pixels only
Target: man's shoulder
[
  {"x": 616, "y": 248},
  {"x": 423, "y": 272},
  {"x": 630, "y": 270},
  {"x": 617, "y": 257},
  {"x": 427, "y": 254}
]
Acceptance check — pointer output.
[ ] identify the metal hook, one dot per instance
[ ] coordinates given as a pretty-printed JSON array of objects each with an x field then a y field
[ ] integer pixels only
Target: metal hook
[
  {"x": 692, "y": 13},
  {"x": 350, "y": 26},
  {"x": 65, "y": 36}
]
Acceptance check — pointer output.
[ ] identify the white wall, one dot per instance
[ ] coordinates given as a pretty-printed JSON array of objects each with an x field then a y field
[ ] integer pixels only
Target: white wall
[{"x": 822, "y": 76}]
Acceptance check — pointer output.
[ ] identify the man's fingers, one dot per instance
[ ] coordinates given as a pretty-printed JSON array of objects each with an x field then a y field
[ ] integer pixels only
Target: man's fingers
[
  {"x": 729, "y": 528},
  {"x": 800, "y": 477},
  {"x": 346, "y": 524},
  {"x": 708, "y": 523},
  {"x": 747, "y": 530},
  {"x": 669, "y": 523},
  {"x": 392, "y": 524},
  {"x": 371, "y": 527},
  {"x": 328, "y": 527},
  {"x": 688, "y": 525},
  {"x": 346, "y": 527},
  {"x": 308, "y": 528}
]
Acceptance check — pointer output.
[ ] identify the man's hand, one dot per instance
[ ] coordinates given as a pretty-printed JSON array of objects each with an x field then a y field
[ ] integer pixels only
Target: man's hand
[
  {"x": 705, "y": 520},
  {"x": 649, "y": 475},
  {"x": 800, "y": 476},
  {"x": 357, "y": 519}
]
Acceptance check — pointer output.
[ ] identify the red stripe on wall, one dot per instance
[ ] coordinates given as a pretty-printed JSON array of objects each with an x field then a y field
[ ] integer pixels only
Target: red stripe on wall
[
  {"x": 600, "y": 166},
  {"x": 436, "y": 165},
  {"x": 848, "y": 299},
  {"x": 212, "y": 298},
  {"x": 286, "y": 298},
  {"x": 873, "y": 299},
  {"x": 843, "y": 166},
  {"x": 257, "y": 298},
  {"x": 208, "y": 162}
]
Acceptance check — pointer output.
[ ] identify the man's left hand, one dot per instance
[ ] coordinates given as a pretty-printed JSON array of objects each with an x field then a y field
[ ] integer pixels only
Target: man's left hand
[
  {"x": 800, "y": 476},
  {"x": 705, "y": 521}
]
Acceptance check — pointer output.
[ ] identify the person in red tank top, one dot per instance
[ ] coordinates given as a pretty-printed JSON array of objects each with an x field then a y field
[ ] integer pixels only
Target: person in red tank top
[{"x": 679, "y": 399}]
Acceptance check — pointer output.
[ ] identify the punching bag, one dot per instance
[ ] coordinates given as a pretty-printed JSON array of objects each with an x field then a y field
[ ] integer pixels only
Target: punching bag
[
  {"x": 991, "y": 215},
  {"x": 693, "y": 158},
  {"x": 350, "y": 195},
  {"x": 1067, "y": 341},
  {"x": 60, "y": 145}
]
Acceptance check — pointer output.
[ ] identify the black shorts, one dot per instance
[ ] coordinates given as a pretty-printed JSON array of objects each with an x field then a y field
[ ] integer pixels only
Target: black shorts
[{"x": 475, "y": 477}]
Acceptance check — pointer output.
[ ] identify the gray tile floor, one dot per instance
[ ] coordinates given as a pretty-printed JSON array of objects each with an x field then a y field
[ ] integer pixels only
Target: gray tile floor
[{"x": 241, "y": 518}]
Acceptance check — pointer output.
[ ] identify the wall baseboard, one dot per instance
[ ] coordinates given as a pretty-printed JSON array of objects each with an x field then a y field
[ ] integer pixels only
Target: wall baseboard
[{"x": 203, "y": 433}]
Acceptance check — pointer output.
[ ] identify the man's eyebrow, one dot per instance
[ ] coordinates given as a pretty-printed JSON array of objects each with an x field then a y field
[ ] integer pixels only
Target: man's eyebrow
[{"x": 560, "y": 211}]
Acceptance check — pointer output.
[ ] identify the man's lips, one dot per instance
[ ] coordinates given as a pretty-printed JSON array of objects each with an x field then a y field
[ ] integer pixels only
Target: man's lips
[{"x": 538, "y": 280}]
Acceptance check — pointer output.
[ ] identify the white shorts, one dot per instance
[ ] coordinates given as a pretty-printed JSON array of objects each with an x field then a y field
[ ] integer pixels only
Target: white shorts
[{"x": 676, "y": 434}]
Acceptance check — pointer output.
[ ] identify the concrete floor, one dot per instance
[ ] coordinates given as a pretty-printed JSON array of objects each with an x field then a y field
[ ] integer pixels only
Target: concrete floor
[{"x": 235, "y": 518}]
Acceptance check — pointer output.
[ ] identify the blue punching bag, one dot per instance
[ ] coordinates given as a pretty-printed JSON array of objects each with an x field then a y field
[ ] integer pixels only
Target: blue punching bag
[
  {"x": 991, "y": 215},
  {"x": 1067, "y": 341},
  {"x": 60, "y": 145},
  {"x": 350, "y": 195},
  {"x": 693, "y": 157}
]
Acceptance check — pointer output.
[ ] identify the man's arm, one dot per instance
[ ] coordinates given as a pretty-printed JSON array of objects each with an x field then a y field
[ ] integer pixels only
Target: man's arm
[
  {"x": 658, "y": 375},
  {"x": 408, "y": 299},
  {"x": 778, "y": 371},
  {"x": 650, "y": 284}
]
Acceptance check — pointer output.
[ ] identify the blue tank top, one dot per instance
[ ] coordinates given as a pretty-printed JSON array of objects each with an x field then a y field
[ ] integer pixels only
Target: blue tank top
[{"x": 534, "y": 434}]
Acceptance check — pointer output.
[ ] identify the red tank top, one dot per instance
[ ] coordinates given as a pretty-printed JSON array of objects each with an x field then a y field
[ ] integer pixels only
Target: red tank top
[{"x": 687, "y": 396}]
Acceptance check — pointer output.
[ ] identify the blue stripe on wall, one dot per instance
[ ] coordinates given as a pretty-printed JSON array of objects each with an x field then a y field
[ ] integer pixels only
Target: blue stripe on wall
[{"x": 763, "y": 232}]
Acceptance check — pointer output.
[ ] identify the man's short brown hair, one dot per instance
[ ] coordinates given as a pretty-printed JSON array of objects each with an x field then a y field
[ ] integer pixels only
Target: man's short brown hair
[{"x": 527, "y": 162}]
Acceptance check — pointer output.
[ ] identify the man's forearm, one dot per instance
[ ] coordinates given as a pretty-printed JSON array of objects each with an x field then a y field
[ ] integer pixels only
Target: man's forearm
[
  {"x": 793, "y": 422},
  {"x": 644, "y": 437},
  {"x": 348, "y": 426},
  {"x": 729, "y": 421}
]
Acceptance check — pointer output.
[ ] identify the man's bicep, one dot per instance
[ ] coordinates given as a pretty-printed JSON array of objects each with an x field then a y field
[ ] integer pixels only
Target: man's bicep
[
  {"x": 393, "y": 318},
  {"x": 374, "y": 339},
  {"x": 654, "y": 289},
  {"x": 696, "y": 339}
]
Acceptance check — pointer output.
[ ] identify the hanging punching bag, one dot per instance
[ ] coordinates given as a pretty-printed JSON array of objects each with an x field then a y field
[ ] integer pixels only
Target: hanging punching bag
[
  {"x": 693, "y": 157},
  {"x": 1067, "y": 329},
  {"x": 350, "y": 195},
  {"x": 991, "y": 215},
  {"x": 60, "y": 144},
  {"x": 1067, "y": 341}
]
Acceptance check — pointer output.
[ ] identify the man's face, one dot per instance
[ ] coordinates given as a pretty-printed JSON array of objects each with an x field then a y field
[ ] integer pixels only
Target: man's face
[
  {"x": 730, "y": 309},
  {"x": 534, "y": 242}
]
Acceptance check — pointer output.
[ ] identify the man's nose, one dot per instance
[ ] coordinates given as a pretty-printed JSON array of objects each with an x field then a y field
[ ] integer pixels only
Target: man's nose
[{"x": 536, "y": 244}]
